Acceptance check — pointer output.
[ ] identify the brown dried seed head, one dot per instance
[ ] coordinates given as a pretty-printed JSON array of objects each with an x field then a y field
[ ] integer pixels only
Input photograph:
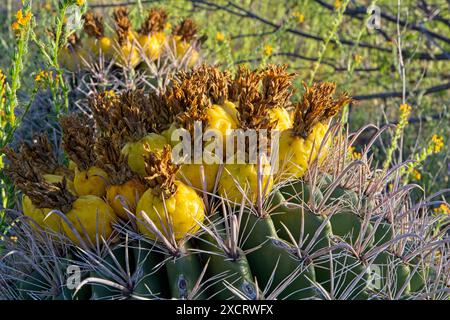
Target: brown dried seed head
[
  {"x": 123, "y": 25},
  {"x": 73, "y": 41},
  {"x": 101, "y": 105},
  {"x": 155, "y": 21},
  {"x": 93, "y": 25},
  {"x": 128, "y": 115},
  {"x": 188, "y": 99},
  {"x": 20, "y": 168},
  {"x": 187, "y": 30},
  {"x": 112, "y": 161},
  {"x": 276, "y": 86},
  {"x": 161, "y": 172},
  {"x": 40, "y": 153},
  {"x": 253, "y": 111},
  {"x": 50, "y": 195},
  {"x": 78, "y": 140},
  {"x": 317, "y": 105}
]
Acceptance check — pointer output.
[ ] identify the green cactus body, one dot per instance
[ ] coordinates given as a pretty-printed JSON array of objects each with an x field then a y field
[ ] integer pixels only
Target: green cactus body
[
  {"x": 102, "y": 291},
  {"x": 348, "y": 226},
  {"x": 384, "y": 232},
  {"x": 344, "y": 275},
  {"x": 393, "y": 274},
  {"x": 183, "y": 272},
  {"x": 298, "y": 192},
  {"x": 235, "y": 269},
  {"x": 35, "y": 287},
  {"x": 300, "y": 222},
  {"x": 418, "y": 279},
  {"x": 152, "y": 282},
  {"x": 273, "y": 254}
]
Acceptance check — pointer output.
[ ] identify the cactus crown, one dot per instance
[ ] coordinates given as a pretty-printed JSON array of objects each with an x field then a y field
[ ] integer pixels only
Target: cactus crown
[
  {"x": 154, "y": 22},
  {"x": 78, "y": 140},
  {"x": 317, "y": 105},
  {"x": 93, "y": 25},
  {"x": 123, "y": 25},
  {"x": 161, "y": 172},
  {"x": 187, "y": 30}
]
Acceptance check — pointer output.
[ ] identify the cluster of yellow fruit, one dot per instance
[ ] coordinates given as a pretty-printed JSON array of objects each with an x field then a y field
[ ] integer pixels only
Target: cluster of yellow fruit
[
  {"x": 121, "y": 162},
  {"x": 127, "y": 47}
]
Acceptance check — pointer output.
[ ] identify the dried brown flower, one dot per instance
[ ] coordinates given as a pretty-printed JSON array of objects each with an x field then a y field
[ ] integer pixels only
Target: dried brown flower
[
  {"x": 187, "y": 30},
  {"x": 123, "y": 25},
  {"x": 78, "y": 140},
  {"x": 111, "y": 159},
  {"x": 50, "y": 195},
  {"x": 317, "y": 105},
  {"x": 161, "y": 172},
  {"x": 155, "y": 21},
  {"x": 93, "y": 25}
]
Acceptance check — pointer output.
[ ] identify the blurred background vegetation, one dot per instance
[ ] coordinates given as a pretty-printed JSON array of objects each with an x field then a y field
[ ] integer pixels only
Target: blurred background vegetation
[{"x": 404, "y": 61}]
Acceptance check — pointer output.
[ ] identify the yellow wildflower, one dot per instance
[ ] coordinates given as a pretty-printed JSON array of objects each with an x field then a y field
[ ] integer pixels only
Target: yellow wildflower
[
  {"x": 168, "y": 26},
  {"x": 354, "y": 154},
  {"x": 337, "y": 4},
  {"x": 220, "y": 36},
  {"x": 41, "y": 76},
  {"x": 110, "y": 93},
  {"x": 442, "y": 209},
  {"x": 358, "y": 58},
  {"x": 299, "y": 16},
  {"x": 416, "y": 174},
  {"x": 268, "y": 49},
  {"x": 80, "y": 2},
  {"x": 2, "y": 77},
  {"x": 13, "y": 238},
  {"x": 405, "y": 108},
  {"x": 21, "y": 20},
  {"x": 437, "y": 143}
]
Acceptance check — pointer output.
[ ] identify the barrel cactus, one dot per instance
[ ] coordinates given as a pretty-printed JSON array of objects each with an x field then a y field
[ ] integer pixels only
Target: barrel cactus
[{"x": 319, "y": 225}]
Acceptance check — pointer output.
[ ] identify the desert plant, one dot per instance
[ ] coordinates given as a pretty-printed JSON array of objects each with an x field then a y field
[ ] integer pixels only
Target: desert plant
[{"x": 334, "y": 230}]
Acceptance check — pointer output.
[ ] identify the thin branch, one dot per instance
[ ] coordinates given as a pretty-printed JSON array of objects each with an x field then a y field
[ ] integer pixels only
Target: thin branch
[{"x": 398, "y": 94}]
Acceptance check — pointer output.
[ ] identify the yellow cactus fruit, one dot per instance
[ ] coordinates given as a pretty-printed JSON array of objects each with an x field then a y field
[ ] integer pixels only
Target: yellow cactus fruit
[
  {"x": 78, "y": 141},
  {"x": 152, "y": 45},
  {"x": 295, "y": 154},
  {"x": 151, "y": 35},
  {"x": 282, "y": 117},
  {"x": 124, "y": 197},
  {"x": 90, "y": 182},
  {"x": 231, "y": 109},
  {"x": 173, "y": 207},
  {"x": 91, "y": 217},
  {"x": 182, "y": 48},
  {"x": 191, "y": 174},
  {"x": 238, "y": 180},
  {"x": 51, "y": 222},
  {"x": 55, "y": 178},
  {"x": 137, "y": 151},
  {"x": 127, "y": 53},
  {"x": 184, "y": 36},
  {"x": 97, "y": 43},
  {"x": 300, "y": 145},
  {"x": 219, "y": 119},
  {"x": 184, "y": 209}
]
